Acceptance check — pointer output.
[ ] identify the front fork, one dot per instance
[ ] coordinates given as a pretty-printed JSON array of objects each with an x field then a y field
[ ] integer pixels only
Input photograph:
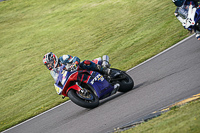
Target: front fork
[
  {"x": 74, "y": 87},
  {"x": 83, "y": 91},
  {"x": 77, "y": 87}
]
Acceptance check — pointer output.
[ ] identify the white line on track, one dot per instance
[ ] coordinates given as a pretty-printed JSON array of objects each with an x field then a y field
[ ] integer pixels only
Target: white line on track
[
  {"x": 161, "y": 52},
  {"x": 126, "y": 71},
  {"x": 36, "y": 116}
]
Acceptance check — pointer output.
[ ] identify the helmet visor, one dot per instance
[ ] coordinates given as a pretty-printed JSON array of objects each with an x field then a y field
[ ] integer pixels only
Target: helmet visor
[{"x": 49, "y": 65}]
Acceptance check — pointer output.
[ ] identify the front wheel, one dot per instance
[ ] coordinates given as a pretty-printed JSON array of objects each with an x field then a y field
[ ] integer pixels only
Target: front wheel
[
  {"x": 86, "y": 98},
  {"x": 125, "y": 81}
]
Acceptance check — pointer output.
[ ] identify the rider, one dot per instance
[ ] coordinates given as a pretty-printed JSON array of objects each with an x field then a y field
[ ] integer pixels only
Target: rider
[
  {"x": 181, "y": 13},
  {"x": 51, "y": 61}
]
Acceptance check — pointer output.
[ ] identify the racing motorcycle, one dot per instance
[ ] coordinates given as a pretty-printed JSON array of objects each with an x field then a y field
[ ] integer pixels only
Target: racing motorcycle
[
  {"x": 191, "y": 13},
  {"x": 85, "y": 88}
]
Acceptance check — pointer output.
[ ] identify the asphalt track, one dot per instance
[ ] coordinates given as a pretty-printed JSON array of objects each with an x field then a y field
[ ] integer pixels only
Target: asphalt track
[{"x": 169, "y": 77}]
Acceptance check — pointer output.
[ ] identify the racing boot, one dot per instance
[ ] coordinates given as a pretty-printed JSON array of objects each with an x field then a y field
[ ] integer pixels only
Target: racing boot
[
  {"x": 106, "y": 71},
  {"x": 103, "y": 70}
]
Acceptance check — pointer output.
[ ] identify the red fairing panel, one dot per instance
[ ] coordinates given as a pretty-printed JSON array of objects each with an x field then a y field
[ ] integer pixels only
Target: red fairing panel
[
  {"x": 77, "y": 76},
  {"x": 74, "y": 87},
  {"x": 72, "y": 77}
]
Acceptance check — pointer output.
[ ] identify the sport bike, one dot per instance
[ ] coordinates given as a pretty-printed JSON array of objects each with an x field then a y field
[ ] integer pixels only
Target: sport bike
[
  {"x": 191, "y": 14},
  {"x": 85, "y": 88}
]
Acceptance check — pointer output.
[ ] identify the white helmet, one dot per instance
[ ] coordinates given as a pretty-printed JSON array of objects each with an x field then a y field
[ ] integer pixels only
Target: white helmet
[{"x": 50, "y": 60}]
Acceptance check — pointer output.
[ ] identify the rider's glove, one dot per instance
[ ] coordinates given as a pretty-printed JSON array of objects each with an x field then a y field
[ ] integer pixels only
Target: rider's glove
[
  {"x": 76, "y": 62},
  {"x": 74, "y": 65}
]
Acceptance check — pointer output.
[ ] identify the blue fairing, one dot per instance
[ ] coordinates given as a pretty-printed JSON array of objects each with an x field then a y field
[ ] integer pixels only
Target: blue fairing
[
  {"x": 102, "y": 87},
  {"x": 60, "y": 75}
]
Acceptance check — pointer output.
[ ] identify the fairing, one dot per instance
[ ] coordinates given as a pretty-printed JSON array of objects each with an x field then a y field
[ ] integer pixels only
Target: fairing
[{"x": 101, "y": 86}]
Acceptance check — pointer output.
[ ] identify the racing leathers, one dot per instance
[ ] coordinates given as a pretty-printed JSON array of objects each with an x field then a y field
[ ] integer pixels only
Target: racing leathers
[{"x": 70, "y": 62}]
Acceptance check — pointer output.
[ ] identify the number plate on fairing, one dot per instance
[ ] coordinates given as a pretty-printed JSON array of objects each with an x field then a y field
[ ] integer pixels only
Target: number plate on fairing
[
  {"x": 99, "y": 77},
  {"x": 58, "y": 89}
]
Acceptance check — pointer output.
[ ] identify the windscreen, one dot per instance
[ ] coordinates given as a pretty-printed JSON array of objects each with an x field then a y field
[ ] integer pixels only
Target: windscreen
[{"x": 54, "y": 73}]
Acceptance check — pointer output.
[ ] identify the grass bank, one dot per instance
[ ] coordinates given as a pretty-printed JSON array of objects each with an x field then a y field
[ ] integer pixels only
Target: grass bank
[
  {"x": 129, "y": 31},
  {"x": 183, "y": 119}
]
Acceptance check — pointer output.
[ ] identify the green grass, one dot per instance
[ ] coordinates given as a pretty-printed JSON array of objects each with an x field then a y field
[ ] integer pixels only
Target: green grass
[
  {"x": 184, "y": 119},
  {"x": 128, "y": 31}
]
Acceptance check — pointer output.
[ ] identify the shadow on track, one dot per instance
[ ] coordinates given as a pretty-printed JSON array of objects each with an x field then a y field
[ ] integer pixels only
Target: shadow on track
[{"x": 118, "y": 94}]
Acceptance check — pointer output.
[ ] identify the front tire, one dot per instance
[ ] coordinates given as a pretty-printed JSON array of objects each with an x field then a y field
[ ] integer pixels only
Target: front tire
[{"x": 91, "y": 101}]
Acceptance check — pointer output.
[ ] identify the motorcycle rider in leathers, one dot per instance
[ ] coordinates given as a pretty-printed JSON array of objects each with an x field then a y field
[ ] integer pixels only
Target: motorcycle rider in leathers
[
  {"x": 51, "y": 61},
  {"x": 182, "y": 11}
]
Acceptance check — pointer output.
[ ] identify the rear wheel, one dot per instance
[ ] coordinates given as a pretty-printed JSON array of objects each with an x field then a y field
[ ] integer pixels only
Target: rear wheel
[
  {"x": 84, "y": 98},
  {"x": 125, "y": 81}
]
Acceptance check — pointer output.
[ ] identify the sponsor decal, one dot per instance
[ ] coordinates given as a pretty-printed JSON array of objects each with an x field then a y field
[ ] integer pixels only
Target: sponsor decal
[{"x": 99, "y": 77}]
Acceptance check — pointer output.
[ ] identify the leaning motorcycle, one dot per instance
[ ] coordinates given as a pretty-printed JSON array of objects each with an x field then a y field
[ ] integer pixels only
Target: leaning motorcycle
[
  {"x": 191, "y": 13},
  {"x": 85, "y": 88}
]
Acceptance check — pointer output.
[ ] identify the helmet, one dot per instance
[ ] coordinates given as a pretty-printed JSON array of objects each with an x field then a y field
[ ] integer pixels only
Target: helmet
[
  {"x": 50, "y": 60},
  {"x": 178, "y": 3}
]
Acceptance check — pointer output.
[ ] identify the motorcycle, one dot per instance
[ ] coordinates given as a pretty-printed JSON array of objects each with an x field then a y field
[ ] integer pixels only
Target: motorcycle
[
  {"x": 191, "y": 13},
  {"x": 85, "y": 88}
]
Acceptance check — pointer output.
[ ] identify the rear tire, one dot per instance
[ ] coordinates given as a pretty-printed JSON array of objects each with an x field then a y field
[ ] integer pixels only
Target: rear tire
[
  {"x": 127, "y": 83},
  {"x": 77, "y": 99}
]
